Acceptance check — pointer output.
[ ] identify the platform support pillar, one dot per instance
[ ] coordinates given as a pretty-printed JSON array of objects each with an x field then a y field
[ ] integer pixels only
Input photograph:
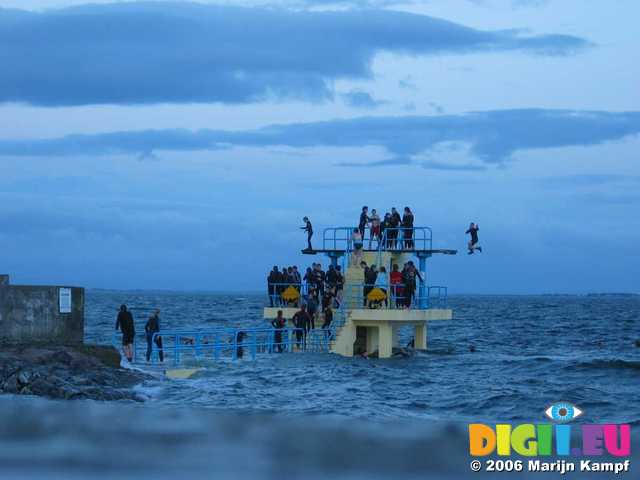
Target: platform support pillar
[
  {"x": 420, "y": 338},
  {"x": 385, "y": 340},
  {"x": 333, "y": 257},
  {"x": 423, "y": 301}
]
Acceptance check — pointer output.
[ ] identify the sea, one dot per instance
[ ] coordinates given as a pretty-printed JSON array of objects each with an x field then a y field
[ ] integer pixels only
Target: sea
[{"x": 502, "y": 359}]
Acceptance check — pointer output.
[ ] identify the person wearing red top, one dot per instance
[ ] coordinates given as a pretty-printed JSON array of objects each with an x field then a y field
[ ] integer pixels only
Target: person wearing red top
[{"x": 397, "y": 287}]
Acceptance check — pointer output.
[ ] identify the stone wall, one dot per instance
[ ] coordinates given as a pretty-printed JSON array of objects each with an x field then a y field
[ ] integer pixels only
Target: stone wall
[{"x": 31, "y": 315}]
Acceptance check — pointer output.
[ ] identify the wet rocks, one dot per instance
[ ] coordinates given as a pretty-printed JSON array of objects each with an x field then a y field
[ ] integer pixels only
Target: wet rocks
[{"x": 84, "y": 372}]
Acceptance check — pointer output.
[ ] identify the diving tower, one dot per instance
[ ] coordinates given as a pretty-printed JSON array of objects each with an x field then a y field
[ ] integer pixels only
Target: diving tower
[{"x": 369, "y": 317}]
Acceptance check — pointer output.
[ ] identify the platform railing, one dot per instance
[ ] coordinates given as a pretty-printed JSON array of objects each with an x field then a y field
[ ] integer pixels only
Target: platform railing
[
  {"x": 400, "y": 238},
  {"x": 407, "y": 239},
  {"x": 397, "y": 296},
  {"x": 231, "y": 343}
]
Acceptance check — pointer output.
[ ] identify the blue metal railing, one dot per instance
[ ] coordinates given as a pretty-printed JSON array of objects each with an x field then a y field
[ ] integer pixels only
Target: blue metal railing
[
  {"x": 230, "y": 343},
  {"x": 398, "y": 296},
  {"x": 400, "y": 238}
]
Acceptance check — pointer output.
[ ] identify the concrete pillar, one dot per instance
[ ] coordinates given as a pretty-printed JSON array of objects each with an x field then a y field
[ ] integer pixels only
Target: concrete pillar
[
  {"x": 420, "y": 337},
  {"x": 422, "y": 291},
  {"x": 385, "y": 340},
  {"x": 372, "y": 339}
]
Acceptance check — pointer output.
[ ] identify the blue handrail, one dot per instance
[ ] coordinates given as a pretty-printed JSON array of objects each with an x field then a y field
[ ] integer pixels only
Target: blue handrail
[
  {"x": 230, "y": 342},
  {"x": 397, "y": 297},
  {"x": 399, "y": 238}
]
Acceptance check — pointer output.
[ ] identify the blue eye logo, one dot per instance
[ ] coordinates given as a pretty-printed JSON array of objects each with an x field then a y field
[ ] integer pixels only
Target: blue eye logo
[{"x": 563, "y": 412}]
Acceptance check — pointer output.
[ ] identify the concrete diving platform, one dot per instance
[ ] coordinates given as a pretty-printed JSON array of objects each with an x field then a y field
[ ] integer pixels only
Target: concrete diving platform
[{"x": 380, "y": 291}]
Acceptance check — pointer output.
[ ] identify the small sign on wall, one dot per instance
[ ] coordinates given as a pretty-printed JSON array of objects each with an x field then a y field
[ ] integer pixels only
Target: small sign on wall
[{"x": 64, "y": 300}]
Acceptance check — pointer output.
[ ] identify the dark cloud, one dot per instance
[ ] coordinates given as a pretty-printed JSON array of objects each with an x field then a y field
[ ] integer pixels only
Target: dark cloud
[
  {"x": 360, "y": 99},
  {"x": 145, "y": 53},
  {"x": 491, "y": 136},
  {"x": 428, "y": 165},
  {"x": 387, "y": 162},
  {"x": 434, "y": 165}
]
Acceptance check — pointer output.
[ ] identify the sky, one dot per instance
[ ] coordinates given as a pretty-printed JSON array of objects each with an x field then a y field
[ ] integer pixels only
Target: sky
[{"x": 177, "y": 145}]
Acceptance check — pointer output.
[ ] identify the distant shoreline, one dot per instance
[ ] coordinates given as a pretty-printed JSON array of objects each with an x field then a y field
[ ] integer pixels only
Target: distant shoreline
[{"x": 260, "y": 292}]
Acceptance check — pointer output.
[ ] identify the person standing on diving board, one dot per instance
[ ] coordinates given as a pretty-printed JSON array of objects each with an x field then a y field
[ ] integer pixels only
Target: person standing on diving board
[{"x": 309, "y": 229}]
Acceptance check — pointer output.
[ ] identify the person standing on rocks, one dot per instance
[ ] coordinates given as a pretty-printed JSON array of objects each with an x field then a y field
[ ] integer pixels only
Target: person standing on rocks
[
  {"x": 124, "y": 322},
  {"x": 152, "y": 327}
]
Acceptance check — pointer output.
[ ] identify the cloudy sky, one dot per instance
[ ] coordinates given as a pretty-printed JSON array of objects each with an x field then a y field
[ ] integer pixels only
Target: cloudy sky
[{"x": 176, "y": 145}]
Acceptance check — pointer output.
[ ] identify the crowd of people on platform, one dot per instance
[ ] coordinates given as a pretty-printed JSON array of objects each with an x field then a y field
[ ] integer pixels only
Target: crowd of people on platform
[
  {"x": 316, "y": 286},
  {"x": 391, "y": 223},
  {"x": 401, "y": 284}
]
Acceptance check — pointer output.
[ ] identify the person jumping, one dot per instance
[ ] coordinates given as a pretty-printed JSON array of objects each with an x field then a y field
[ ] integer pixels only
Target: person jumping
[
  {"x": 309, "y": 229},
  {"x": 473, "y": 243}
]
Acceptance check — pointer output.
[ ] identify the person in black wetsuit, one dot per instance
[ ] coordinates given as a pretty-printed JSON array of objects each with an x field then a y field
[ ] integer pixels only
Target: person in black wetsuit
[
  {"x": 394, "y": 223},
  {"x": 240, "y": 336},
  {"x": 272, "y": 283},
  {"x": 124, "y": 322},
  {"x": 473, "y": 243},
  {"x": 328, "y": 318},
  {"x": 321, "y": 278},
  {"x": 152, "y": 327},
  {"x": 409, "y": 275},
  {"x": 309, "y": 229},
  {"x": 300, "y": 320},
  {"x": 384, "y": 225},
  {"x": 407, "y": 225},
  {"x": 312, "y": 309},
  {"x": 370, "y": 276},
  {"x": 364, "y": 220},
  {"x": 278, "y": 324}
]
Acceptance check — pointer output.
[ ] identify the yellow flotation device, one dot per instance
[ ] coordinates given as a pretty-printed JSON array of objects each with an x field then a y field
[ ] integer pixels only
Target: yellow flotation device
[
  {"x": 182, "y": 373},
  {"x": 376, "y": 295},
  {"x": 291, "y": 294}
]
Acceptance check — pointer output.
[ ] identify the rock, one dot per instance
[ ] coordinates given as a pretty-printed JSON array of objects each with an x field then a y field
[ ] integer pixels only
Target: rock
[
  {"x": 11, "y": 384},
  {"x": 91, "y": 372},
  {"x": 108, "y": 356},
  {"x": 24, "y": 377}
]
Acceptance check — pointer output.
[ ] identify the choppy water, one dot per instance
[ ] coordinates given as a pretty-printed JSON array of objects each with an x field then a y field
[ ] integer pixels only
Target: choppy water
[
  {"x": 529, "y": 353},
  {"x": 322, "y": 416}
]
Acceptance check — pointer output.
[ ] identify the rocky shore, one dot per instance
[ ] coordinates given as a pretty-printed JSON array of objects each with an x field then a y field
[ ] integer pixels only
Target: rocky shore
[{"x": 80, "y": 372}]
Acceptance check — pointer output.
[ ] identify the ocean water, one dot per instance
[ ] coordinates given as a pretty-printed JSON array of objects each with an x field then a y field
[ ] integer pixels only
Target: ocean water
[
  {"x": 319, "y": 416},
  {"x": 530, "y": 351}
]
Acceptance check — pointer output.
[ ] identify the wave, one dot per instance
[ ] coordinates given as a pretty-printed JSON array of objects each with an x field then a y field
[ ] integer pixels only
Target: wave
[{"x": 606, "y": 364}]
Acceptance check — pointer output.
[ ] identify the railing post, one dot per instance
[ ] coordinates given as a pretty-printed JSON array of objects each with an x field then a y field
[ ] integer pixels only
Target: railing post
[
  {"x": 253, "y": 346},
  {"x": 176, "y": 350}
]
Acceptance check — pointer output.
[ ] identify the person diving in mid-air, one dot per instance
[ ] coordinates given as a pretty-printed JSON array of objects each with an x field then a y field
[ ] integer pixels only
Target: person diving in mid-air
[{"x": 473, "y": 243}]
